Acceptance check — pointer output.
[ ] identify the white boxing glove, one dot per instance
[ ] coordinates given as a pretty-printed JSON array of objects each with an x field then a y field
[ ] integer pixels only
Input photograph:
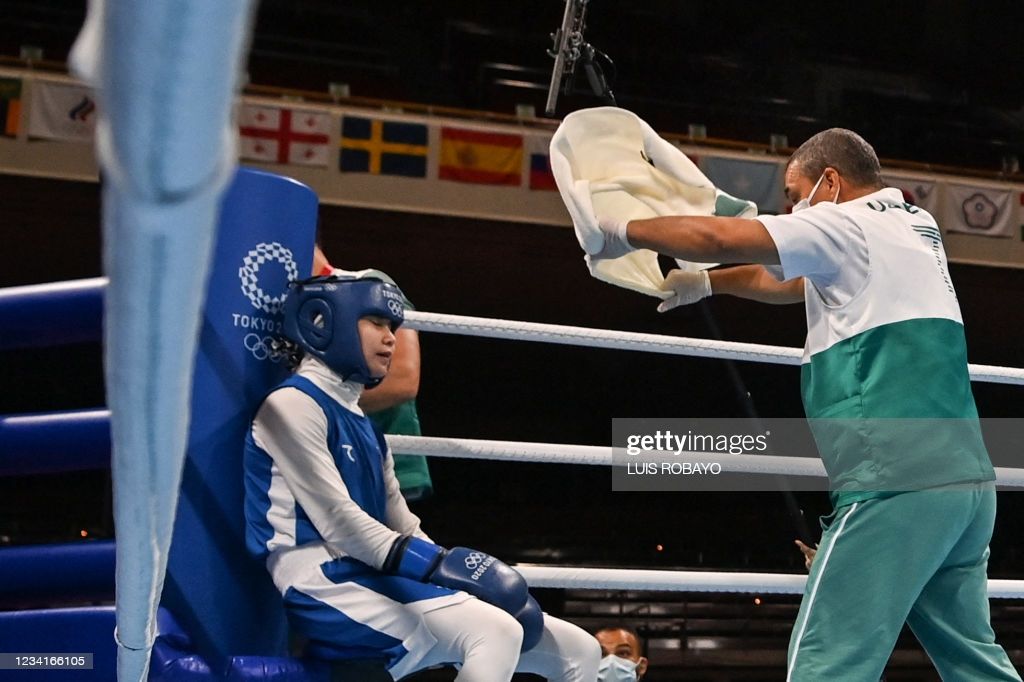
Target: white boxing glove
[
  {"x": 615, "y": 243},
  {"x": 686, "y": 288}
]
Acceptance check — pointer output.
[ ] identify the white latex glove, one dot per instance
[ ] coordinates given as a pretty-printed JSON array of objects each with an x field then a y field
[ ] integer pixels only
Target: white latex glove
[
  {"x": 615, "y": 243},
  {"x": 808, "y": 553},
  {"x": 687, "y": 288}
]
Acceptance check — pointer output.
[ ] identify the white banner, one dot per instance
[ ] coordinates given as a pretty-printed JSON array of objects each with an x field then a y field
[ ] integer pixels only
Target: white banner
[
  {"x": 923, "y": 193},
  {"x": 58, "y": 111},
  {"x": 986, "y": 211},
  {"x": 277, "y": 135}
]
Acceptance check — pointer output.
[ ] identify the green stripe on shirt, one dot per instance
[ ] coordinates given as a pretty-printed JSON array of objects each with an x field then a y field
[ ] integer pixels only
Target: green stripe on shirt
[{"x": 892, "y": 410}]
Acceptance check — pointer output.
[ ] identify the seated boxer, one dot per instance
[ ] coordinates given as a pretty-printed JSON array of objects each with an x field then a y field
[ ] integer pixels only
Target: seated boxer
[{"x": 359, "y": 577}]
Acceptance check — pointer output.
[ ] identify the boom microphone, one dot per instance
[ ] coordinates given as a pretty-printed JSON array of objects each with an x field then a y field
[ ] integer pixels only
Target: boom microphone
[{"x": 568, "y": 44}]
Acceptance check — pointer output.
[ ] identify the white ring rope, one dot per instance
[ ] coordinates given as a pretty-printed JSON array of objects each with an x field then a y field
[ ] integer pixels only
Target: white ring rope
[
  {"x": 651, "y": 343},
  {"x": 696, "y": 581},
  {"x": 629, "y": 579},
  {"x": 576, "y": 336},
  {"x": 601, "y": 338},
  {"x": 465, "y": 448},
  {"x": 559, "y": 453}
]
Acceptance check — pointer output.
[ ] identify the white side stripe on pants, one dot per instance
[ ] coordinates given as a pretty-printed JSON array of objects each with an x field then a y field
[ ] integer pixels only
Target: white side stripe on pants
[{"x": 814, "y": 590}]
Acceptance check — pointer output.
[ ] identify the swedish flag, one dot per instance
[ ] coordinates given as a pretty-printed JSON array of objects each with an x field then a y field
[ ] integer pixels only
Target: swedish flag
[{"x": 383, "y": 147}]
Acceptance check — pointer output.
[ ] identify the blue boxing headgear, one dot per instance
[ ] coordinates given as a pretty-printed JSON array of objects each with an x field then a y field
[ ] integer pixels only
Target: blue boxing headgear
[{"x": 322, "y": 316}]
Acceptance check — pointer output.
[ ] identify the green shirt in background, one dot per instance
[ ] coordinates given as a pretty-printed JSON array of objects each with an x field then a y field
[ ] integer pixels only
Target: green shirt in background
[{"x": 411, "y": 470}]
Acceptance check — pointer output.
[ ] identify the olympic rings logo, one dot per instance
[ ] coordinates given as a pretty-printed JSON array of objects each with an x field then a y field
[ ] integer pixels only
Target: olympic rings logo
[
  {"x": 474, "y": 560},
  {"x": 396, "y": 307},
  {"x": 274, "y": 252},
  {"x": 262, "y": 347}
]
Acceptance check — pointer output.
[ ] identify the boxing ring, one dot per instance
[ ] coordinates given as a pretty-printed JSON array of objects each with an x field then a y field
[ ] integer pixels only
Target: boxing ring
[{"x": 63, "y": 442}]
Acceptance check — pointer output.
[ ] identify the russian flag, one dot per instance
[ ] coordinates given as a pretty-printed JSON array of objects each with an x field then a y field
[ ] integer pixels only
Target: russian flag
[{"x": 540, "y": 172}]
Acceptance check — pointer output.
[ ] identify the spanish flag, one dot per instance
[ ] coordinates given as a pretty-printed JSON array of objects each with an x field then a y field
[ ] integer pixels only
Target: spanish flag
[
  {"x": 481, "y": 157},
  {"x": 10, "y": 106}
]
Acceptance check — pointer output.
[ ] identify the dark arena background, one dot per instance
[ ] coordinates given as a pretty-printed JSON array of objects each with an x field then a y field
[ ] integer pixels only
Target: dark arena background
[{"x": 933, "y": 86}]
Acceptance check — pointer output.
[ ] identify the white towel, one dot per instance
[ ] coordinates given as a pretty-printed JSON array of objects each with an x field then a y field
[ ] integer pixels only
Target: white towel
[{"x": 608, "y": 162}]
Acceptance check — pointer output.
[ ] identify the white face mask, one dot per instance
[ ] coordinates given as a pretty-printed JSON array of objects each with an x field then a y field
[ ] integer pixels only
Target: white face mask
[
  {"x": 806, "y": 202},
  {"x": 616, "y": 669}
]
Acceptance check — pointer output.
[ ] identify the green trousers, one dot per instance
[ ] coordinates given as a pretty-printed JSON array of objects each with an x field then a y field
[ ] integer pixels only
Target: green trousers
[{"x": 916, "y": 557}]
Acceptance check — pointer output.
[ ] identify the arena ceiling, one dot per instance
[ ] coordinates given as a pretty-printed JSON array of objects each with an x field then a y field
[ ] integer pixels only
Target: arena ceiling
[{"x": 925, "y": 81}]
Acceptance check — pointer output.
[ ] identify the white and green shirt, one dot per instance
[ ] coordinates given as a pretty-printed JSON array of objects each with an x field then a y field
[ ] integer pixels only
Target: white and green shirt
[{"x": 884, "y": 376}]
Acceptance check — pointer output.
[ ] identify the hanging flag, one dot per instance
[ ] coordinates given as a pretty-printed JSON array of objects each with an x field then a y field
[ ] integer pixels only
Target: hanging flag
[
  {"x": 985, "y": 211},
  {"x": 540, "y": 174},
  {"x": 923, "y": 193},
  {"x": 10, "y": 106},
  {"x": 278, "y": 135},
  {"x": 383, "y": 147},
  {"x": 61, "y": 111},
  {"x": 481, "y": 157},
  {"x": 757, "y": 181}
]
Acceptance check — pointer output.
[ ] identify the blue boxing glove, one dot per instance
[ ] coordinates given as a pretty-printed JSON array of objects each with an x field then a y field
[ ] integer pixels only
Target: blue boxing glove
[
  {"x": 413, "y": 558},
  {"x": 532, "y": 620},
  {"x": 485, "y": 577}
]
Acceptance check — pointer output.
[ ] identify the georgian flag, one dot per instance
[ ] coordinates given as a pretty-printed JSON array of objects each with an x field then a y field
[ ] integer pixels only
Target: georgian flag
[{"x": 280, "y": 135}]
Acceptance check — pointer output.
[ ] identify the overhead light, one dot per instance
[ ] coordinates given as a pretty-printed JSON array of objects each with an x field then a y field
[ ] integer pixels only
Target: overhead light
[
  {"x": 777, "y": 141},
  {"x": 31, "y": 53},
  {"x": 526, "y": 111},
  {"x": 339, "y": 91}
]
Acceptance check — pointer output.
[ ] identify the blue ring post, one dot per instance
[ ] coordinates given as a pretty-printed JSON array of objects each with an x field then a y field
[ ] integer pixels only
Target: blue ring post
[
  {"x": 75, "y": 440},
  {"x": 28, "y": 313},
  {"x": 222, "y": 598}
]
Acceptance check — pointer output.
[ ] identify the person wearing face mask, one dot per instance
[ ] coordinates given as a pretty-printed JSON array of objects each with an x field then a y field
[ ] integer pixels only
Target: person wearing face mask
[
  {"x": 621, "y": 662},
  {"x": 887, "y": 391}
]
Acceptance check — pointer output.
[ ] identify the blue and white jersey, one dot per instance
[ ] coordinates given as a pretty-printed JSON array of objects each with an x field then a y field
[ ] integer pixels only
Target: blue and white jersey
[
  {"x": 323, "y": 507},
  {"x": 318, "y": 473}
]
